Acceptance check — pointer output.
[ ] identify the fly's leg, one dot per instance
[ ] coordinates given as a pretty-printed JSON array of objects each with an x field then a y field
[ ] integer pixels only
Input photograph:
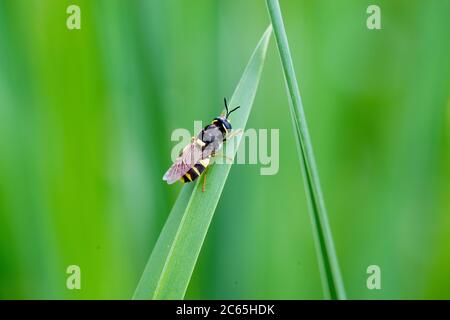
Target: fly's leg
[
  {"x": 228, "y": 159},
  {"x": 234, "y": 134},
  {"x": 204, "y": 179},
  {"x": 229, "y": 137},
  {"x": 221, "y": 154}
]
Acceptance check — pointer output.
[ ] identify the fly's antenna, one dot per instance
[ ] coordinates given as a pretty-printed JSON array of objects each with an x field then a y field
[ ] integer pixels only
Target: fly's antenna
[
  {"x": 232, "y": 111},
  {"x": 226, "y": 108},
  {"x": 226, "y": 104}
]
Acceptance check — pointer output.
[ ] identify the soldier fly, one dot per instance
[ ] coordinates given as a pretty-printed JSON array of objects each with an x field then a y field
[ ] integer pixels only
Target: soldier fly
[{"x": 195, "y": 158}]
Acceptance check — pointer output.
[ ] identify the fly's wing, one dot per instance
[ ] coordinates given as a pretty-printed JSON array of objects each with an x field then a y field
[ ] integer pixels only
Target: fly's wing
[
  {"x": 206, "y": 144},
  {"x": 190, "y": 155},
  {"x": 175, "y": 172}
]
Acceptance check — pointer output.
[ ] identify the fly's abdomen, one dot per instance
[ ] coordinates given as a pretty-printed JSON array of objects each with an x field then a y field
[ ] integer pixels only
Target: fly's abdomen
[{"x": 196, "y": 171}]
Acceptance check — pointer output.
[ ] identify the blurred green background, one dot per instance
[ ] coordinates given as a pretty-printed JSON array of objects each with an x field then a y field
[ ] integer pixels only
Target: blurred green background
[{"x": 85, "y": 123}]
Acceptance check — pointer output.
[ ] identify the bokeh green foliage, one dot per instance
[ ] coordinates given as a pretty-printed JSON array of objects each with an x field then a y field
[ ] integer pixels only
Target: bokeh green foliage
[{"x": 85, "y": 124}]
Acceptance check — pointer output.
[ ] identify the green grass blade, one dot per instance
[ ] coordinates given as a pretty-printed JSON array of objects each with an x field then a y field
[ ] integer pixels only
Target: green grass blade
[
  {"x": 331, "y": 276},
  {"x": 172, "y": 261}
]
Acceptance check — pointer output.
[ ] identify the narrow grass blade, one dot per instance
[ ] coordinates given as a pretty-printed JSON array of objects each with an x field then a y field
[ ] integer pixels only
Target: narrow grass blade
[
  {"x": 331, "y": 276},
  {"x": 172, "y": 261}
]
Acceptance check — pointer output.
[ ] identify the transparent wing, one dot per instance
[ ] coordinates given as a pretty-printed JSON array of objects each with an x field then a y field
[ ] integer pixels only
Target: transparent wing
[
  {"x": 194, "y": 152},
  {"x": 190, "y": 155},
  {"x": 175, "y": 172}
]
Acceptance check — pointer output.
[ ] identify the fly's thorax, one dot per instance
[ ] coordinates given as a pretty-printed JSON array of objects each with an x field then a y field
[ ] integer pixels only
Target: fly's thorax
[
  {"x": 213, "y": 137},
  {"x": 213, "y": 133}
]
